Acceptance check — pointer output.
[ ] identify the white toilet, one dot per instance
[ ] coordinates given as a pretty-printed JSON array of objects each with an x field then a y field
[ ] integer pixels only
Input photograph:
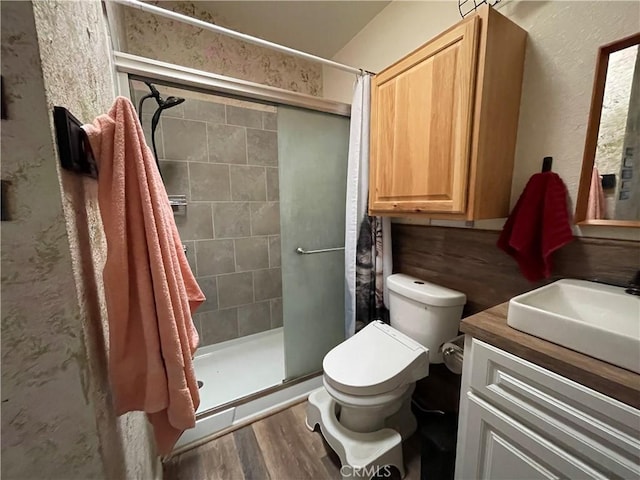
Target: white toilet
[{"x": 364, "y": 409}]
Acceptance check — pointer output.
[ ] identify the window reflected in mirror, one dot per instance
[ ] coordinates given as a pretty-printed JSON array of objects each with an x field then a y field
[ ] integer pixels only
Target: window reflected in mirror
[{"x": 614, "y": 191}]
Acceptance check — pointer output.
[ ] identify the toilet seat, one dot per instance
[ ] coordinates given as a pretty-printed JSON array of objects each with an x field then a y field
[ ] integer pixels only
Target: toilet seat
[
  {"x": 377, "y": 360},
  {"x": 364, "y": 401}
]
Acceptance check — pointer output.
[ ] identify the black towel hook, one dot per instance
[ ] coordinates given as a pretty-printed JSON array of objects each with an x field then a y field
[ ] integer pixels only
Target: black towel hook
[
  {"x": 547, "y": 162},
  {"x": 73, "y": 144}
]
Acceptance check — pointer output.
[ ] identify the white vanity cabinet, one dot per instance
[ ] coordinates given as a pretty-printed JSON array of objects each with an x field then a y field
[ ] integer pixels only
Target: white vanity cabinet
[{"x": 521, "y": 421}]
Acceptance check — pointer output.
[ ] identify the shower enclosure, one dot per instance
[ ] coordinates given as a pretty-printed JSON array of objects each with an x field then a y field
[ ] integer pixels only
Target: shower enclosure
[{"x": 254, "y": 184}]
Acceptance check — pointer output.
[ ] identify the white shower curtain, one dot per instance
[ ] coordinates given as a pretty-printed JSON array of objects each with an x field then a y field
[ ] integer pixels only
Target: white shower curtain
[{"x": 367, "y": 239}]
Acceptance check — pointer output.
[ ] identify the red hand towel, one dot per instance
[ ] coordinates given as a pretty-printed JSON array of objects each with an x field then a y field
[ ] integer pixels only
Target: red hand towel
[{"x": 538, "y": 225}]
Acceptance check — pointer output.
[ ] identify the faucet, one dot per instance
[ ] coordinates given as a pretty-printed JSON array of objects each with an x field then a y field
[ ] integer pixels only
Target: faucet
[{"x": 634, "y": 285}]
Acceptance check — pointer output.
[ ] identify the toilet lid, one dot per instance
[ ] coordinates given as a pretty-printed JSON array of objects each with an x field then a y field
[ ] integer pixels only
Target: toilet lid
[{"x": 376, "y": 360}]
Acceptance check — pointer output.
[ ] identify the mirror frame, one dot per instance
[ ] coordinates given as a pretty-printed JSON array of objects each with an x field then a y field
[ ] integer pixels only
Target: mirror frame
[{"x": 593, "y": 128}]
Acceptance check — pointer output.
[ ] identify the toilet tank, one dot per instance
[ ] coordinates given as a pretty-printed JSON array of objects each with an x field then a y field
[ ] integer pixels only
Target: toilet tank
[{"x": 428, "y": 313}]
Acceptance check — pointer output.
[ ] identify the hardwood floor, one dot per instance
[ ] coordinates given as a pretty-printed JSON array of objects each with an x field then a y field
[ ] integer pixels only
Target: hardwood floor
[{"x": 278, "y": 447}]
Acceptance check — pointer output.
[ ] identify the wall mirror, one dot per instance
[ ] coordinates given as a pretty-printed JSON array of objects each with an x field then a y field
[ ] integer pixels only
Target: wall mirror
[{"x": 609, "y": 192}]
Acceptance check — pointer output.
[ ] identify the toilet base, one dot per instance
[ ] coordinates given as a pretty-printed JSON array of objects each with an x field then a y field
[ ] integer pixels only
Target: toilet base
[{"x": 361, "y": 454}]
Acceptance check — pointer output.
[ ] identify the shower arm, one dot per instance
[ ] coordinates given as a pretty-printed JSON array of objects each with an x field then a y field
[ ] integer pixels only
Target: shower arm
[
  {"x": 165, "y": 104},
  {"x": 153, "y": 92},
  {"x": 154, "y": 123},
  {"x": 140, "y": 104},
  {"x": 162, "y": 105}
]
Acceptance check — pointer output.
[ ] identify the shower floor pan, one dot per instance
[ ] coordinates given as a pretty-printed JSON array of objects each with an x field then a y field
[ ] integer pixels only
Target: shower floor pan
[{"x": 239, "y": 368}]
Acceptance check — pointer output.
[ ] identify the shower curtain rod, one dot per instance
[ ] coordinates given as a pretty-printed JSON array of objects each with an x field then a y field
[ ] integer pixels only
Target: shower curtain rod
[{"x": 146, "y": 7}]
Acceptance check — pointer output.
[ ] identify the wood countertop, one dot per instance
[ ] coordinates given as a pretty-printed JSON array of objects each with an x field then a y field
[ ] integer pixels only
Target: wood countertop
[{"x": 491, "y": 327}]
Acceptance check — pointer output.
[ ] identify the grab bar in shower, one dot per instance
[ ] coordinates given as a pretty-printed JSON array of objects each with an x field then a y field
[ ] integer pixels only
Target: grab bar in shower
[{"x": 302, "y": 251}]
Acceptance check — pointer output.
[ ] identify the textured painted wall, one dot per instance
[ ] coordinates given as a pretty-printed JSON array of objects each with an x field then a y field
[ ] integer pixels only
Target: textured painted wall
[
  {"x": 87, "y": 91},
  {"x": 560, "y": 61},
  {"x": 48, "y": 422},
  {"x": 174, "y": 42},
  {"x": 56, "y": 411},
  {"x": 564, "y": 38}
]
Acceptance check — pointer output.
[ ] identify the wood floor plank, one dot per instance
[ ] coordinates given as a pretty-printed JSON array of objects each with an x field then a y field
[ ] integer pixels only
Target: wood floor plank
[
  {"x": 314, "y": 440},
  {"x": 220, "y": 461},
  {"x": 279, "y": 447},
  {"x": 187, "y": 466},
  {"x": 250, "y": 454},
  {"x": 317, "y": 443},
  {"x": 287, "y": 455},
  {"x": 310, "y": 441},
  {"x": 214, "y": 460}
]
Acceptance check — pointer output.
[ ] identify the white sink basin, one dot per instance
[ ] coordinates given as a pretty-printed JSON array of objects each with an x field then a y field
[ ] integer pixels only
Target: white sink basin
[{"x": 598, "y": 320}]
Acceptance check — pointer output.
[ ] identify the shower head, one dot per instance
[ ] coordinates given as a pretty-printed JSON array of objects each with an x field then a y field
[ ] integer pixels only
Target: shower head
[
  {"x": 163, "y": 104},
  {"x": 171, "y": 102},
  {"x": 166, "y": 104}
]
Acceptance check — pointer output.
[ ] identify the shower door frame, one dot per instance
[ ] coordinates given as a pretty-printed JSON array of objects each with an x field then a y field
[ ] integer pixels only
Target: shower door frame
[
  {"x": 127, "y": 64},
  {"x": 131, "y": 66}
]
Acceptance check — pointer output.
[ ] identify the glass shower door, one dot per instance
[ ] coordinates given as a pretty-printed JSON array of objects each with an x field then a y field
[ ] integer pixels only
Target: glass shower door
[{"x": 312, "y": 152}]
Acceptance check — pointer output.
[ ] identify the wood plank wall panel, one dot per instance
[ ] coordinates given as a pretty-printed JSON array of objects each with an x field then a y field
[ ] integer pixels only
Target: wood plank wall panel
[{"x": 469, "y": 261}]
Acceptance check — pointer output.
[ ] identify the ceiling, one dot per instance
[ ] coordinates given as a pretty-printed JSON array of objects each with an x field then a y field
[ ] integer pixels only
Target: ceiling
[{"x": 318, "y": 27}]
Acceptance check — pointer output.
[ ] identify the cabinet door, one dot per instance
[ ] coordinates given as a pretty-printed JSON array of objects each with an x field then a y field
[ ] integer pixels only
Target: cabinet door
[
  {"x": 606, "y": 432},
  {"x": 498, "y": 447},
  {"x": 421, "y": 125}
]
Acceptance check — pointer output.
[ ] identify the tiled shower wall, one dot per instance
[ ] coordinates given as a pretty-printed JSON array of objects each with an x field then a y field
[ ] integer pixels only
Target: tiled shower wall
[{"x": 223, "y": 155}]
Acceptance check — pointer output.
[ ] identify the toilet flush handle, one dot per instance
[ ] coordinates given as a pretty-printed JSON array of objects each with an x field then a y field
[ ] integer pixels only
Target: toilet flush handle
[{"x": 453, "y": 354}]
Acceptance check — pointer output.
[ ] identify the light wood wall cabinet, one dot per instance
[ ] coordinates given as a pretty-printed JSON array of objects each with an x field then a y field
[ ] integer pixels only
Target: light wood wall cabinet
[{"x": 444, "y": 121}]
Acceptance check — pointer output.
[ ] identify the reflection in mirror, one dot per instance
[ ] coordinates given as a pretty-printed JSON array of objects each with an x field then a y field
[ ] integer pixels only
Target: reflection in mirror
[
  {"x": 609, "y": 192},
  {"x": 616, "y": 185}
]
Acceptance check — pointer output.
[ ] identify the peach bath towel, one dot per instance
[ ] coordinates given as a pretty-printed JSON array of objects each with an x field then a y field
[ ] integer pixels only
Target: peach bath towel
[
  {"x": 596, "y": 205},
  {"x": 149, "y": 288}
]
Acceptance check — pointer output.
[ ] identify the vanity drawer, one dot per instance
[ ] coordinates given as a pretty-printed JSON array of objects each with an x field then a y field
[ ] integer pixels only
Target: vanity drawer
[{"x": 603, "y": 431}]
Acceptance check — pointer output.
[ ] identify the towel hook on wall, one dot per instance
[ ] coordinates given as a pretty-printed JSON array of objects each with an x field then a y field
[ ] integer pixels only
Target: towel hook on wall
[
  {"x": 547, "y": 162},
  {"x": 73, "y": 144}
]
